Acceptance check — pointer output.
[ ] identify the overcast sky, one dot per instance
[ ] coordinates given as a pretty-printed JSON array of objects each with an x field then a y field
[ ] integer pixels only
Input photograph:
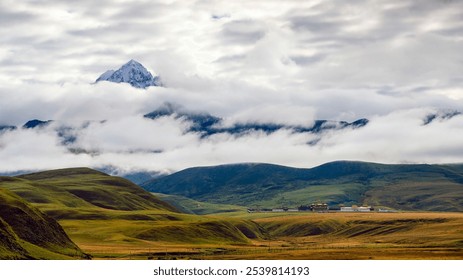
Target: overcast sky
[{"x": 289, "y": 62}]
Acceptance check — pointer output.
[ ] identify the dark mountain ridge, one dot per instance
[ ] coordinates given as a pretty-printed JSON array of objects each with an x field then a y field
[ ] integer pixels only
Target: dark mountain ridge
[{"x": 398, "y": 186}]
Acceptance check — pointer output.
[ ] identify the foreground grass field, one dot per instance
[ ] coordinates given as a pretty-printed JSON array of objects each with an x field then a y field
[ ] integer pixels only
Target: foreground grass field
[{"x": 368, "y": 235}]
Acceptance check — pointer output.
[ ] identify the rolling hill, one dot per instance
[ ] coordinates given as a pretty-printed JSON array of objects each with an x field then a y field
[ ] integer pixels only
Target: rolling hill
[
  {"x": 83, "y": 188},
  {"x": 399, "y": 186}
]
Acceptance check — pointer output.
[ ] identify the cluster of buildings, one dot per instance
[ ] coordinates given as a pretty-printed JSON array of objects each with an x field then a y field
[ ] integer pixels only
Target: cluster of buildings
[{"x": 314, "y": 207}]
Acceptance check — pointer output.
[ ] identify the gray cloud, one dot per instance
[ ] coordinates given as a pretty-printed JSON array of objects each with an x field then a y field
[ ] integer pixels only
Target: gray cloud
[
  {"x": 243, "y": 31},
  {"x": 10, "y": 17},
  {"x": 305, "y": 60}
]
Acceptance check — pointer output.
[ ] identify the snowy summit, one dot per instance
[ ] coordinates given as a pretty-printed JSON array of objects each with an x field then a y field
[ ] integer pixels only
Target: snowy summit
[{"x": 133, "y": 73}]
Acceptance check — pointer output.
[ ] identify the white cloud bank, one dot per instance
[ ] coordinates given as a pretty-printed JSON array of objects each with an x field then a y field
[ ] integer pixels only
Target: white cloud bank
[{"x": 286, "y": 62}]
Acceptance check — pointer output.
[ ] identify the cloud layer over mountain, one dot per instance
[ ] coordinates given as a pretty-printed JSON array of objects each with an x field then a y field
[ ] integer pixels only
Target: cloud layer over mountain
[{"x": 284, "y": 62}]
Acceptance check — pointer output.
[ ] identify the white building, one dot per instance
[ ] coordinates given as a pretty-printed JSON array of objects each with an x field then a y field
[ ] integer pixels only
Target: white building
[{"x": 356, "y": 209}]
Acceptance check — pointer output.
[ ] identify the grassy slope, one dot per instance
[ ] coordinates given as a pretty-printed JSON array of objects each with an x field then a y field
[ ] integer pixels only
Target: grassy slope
[
  {"x": 10, "y": 247},
  {"x": 84, "y": 187},
  {"x": 407, "y": 187},
  {"x": 28, "y": 233}
]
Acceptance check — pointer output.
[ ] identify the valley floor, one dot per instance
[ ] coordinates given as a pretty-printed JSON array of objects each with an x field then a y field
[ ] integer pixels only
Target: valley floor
[{"x": 326, "y": 236}]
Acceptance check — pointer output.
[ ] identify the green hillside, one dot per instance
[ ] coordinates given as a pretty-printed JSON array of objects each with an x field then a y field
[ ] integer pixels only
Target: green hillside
[
  {"x": 399, "y": 186},
  {"x": 27, "y": 233}
]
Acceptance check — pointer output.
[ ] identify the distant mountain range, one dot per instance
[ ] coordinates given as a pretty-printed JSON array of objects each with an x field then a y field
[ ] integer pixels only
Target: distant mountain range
[
  {"x": 133, "y": 73},
  {"x": 207, "y": 124},
  {"x": 399, "y": 186}
]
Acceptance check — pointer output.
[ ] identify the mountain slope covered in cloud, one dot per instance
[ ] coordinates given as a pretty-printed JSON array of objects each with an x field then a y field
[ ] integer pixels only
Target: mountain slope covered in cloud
[{"x": 262, "y": 75}]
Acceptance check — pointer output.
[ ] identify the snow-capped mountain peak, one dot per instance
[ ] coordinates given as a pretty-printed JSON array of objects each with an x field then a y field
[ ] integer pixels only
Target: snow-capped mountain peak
[{"x": 133, "y": 73}]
